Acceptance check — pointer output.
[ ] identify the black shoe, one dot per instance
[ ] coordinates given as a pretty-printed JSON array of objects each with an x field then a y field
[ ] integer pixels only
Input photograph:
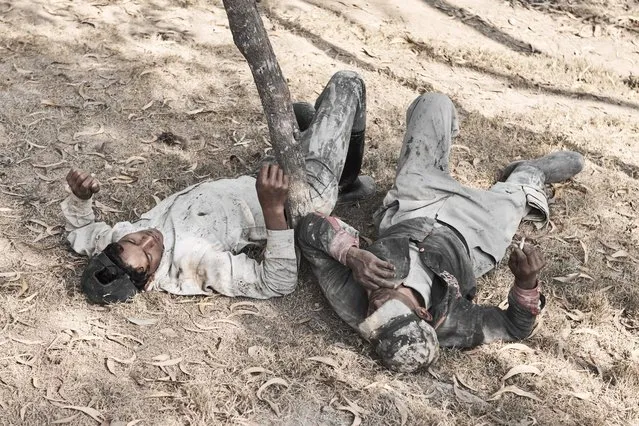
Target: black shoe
[
  {"x": 304, "y": 113},
  {"x": 556, "y": 167},
  {"x": 364, "y": 187}
]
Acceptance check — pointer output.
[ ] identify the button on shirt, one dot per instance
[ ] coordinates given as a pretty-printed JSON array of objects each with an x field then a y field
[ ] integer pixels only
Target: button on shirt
[{"x": 205, "y": 227}]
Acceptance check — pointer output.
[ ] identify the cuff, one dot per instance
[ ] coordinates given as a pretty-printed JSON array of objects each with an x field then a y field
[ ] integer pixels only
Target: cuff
[
  {"x": 78, "y": 212},
  {"x": 78, "y": 203},
  {"x": 342, "y": 240},
  {"x": 280, "y": 244},
  {"x": 528, "y": 299}
]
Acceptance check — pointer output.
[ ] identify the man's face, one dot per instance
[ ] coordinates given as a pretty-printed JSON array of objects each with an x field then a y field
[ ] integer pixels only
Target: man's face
[{"x": 143, "y": 250}]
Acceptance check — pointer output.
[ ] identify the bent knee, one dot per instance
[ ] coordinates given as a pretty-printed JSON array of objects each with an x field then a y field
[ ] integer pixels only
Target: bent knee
[
  {"x": 430, "y": 101},
  {"x": 348, "y": 78},
  {"x": 434, "y": 99}
]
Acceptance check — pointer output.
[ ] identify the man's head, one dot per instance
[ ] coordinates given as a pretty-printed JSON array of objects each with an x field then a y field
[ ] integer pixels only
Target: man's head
[
  {"x": 403, "y": 340},
  {"x": 124, "y": 267}
]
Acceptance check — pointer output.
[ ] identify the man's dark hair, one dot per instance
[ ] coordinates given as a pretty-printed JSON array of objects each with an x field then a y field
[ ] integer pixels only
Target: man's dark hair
[{"x": 114, "y": 252}]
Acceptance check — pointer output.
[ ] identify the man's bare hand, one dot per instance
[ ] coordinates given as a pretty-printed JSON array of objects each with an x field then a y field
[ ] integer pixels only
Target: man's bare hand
[
  {"x": 369, "y": 270},
  {"x": 272, "y": 191},
  {"x": 82, "y": 184},
  {"x": 525, "y": 265}
]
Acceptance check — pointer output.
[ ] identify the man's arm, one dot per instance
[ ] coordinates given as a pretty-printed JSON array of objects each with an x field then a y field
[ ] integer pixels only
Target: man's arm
[
  {"x": 85, "y": 235},
  {"x": 239, "y": 275},
  {"x": 276, "y": 275},
  {"x": 469, "y": 324}
]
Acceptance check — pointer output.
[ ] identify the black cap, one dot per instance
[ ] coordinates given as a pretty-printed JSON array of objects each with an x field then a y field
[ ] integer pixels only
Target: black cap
[{"x": 104, "y": 282}]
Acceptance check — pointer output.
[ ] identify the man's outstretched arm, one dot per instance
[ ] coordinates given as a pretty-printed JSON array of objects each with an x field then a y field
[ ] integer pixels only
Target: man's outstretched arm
[
  {"x": 86, "y": 236},
  {"x": 469, "y": 324}
]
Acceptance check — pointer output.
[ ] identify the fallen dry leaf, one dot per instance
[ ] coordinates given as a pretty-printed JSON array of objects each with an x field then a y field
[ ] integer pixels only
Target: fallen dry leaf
[
  {"x": 114, "y": 337},
  {"x": 166, "y": 363},
  {"x": 256, "y": 370},
  {"x": 619, "y": 253},
  {"x": 125, "y": 361},
  {"x": 520, "y": 369},
  {"x": 272, "y": 382},
  {"x": 462, "y": 396},
  {"x": 237, "y": 305},
  {"x": 403, "y": 411},
  {"x": 183, "y": 370},
  {"x": 160, "y": 394},
  {"x": 25, "y": 341},
  {"x": 91, "y": 412},
  {"x": 142, "y": 321},
  {"x": 512, "y": 389},
  {"x": 110, "y": 364},
  {"x": 464, "y": 384},
  {"x": 99, "y": 131},
  {"x": 240, "y": 312},
  {"x": 23, "y": 411},
  {"x": 195, "y": 111},
  {"x": 568, "y": 278},
  {"x": 222, "y": 320},
  {"x": 518, "y": 347},
  {"x": 103, "y": 207},
  {"x": 161, "y": 357}
]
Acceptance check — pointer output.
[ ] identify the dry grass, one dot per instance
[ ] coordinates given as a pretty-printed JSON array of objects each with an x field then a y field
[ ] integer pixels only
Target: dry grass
[{"x": 77, "y": 86}]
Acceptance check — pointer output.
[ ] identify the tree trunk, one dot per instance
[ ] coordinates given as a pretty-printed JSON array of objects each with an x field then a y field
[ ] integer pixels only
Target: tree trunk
[{"x": 251, "y": 39}]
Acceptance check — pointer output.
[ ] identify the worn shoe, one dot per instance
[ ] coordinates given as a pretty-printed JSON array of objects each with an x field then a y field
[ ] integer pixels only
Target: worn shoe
[
  {"x": 304, "y": 113},
  {"x": 556, "y": 167},
  {"x": 364, "y": 187}
]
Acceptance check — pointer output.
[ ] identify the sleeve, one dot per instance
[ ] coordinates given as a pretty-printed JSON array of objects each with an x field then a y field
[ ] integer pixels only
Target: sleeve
[
  {"x": 320, "y": 236},
  {"x": 86, "y": 236},
  {"x": 468, "y": 324},
  {"x": 238, "y": 275}
]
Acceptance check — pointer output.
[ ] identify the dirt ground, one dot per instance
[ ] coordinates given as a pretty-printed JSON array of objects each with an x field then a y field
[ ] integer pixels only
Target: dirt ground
[{"x": 93, "y": 85}]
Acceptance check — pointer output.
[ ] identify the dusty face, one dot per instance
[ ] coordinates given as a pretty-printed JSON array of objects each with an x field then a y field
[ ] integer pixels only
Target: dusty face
[{"x": 143, "y": 250}]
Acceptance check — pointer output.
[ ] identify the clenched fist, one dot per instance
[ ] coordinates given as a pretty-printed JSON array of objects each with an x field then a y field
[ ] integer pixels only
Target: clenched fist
[
  {"x": 272, "y": 191},
  {"x": 82, "y": 184},
  {"x": 525, "y": 265}
]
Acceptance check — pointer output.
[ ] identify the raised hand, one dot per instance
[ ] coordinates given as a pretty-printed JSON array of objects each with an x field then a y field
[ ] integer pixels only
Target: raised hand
[
  {"x": 272, "y": 191},
  {"x": 525, "y": 265},
  {"x": 82, "y": 184}
]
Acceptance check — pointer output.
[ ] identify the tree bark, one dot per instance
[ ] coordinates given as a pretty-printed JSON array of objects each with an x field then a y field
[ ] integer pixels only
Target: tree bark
[{"x": 251, "y": 39}]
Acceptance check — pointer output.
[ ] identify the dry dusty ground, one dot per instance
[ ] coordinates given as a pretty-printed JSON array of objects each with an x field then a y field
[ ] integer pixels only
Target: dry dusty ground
[{"x": 92, "y": 84}]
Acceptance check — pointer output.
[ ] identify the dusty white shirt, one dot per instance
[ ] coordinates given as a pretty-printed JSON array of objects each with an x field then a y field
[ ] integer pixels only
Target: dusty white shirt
[{"x": 205, "y": 227}]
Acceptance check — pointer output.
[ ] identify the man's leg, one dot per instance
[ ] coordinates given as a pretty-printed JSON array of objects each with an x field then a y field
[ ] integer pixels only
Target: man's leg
[
  {"x": 340, "y": 113},
  {"x": 486, "y": 220},
  {"x": 423, "y": 181}
]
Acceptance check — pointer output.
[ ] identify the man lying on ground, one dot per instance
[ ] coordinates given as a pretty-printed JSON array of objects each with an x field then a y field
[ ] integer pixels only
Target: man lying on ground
[
  {"x": 191, "y": 243},
  {"x": 411, "y": 291}
]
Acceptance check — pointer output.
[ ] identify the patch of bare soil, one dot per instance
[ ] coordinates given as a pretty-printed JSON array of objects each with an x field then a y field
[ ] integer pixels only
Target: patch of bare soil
[{"x": 152, "y": 96}]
